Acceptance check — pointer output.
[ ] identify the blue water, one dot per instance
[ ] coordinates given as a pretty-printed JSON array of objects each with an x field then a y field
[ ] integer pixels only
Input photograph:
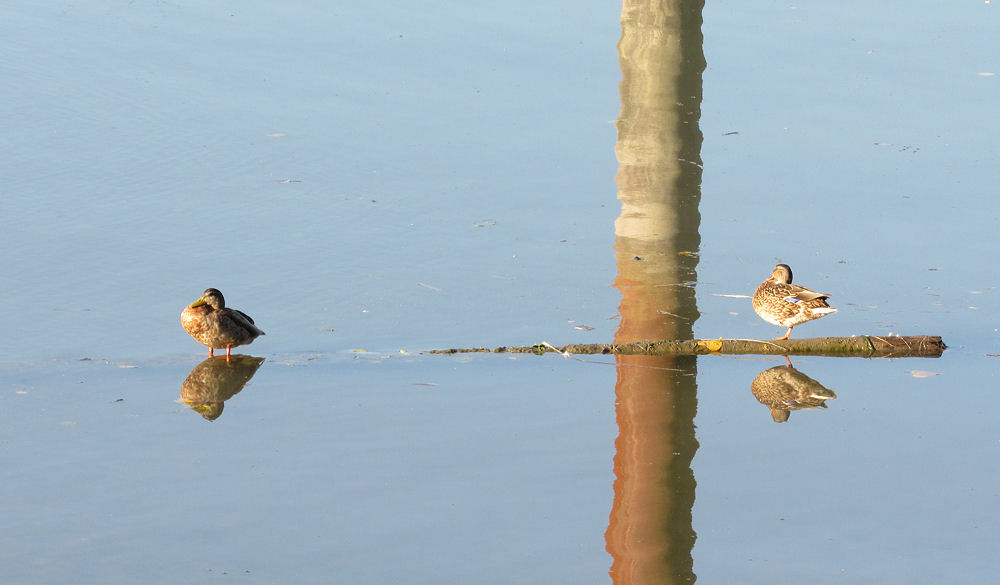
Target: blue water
[
  {"x": 367, "y": 470},
  {"x": 146, "y": 172},
  {"x": 371, "y": 181}
]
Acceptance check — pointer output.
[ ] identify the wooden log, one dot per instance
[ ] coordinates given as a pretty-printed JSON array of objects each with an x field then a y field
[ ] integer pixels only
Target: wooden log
[{"x": 857, "y": 346}]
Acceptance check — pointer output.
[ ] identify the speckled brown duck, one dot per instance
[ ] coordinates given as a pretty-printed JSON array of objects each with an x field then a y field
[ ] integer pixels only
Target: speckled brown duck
[
  {"x": 212, "y": 324},
  {"x": 212, "y": 382},
  {"x": 782, "y": 303},
  {"x": 783, "y": 389}
]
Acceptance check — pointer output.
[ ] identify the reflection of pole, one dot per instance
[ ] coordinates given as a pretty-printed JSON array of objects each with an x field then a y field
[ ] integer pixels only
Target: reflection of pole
[{"x": 650, "y": 535}]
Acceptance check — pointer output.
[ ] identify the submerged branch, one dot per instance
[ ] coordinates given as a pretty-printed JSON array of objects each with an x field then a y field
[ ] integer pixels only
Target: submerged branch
[{"x": 858, "y": 346}]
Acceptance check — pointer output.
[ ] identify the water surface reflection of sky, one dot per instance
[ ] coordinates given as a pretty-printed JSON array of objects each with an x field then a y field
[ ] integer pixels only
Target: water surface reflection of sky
[{"x": 367, "y": 183}]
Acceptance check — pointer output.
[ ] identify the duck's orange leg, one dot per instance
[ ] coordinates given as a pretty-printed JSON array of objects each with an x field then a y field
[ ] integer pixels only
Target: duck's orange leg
[
  {"x": 787, "y": 333},
  {"x": 211, "y": 351}
]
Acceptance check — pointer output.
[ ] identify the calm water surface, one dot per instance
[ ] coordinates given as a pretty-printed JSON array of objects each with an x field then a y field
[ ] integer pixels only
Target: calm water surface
[{"x": 372, "y": 182}]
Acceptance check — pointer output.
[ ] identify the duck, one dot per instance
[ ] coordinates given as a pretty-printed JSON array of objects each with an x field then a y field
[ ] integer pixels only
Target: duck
[
  {"x": 212, "y": 382},
  {"x": 212, "y": 324},
  {"x": 783, "y": 389},
  {"x": 782, "y": 303}
]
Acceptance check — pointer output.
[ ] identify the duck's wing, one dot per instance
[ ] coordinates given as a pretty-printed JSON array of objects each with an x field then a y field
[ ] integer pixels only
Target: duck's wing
[
  {"x": 244, "y": 315},
  {"x": 797, "y": 294},
  {"x": 244, "y": 321}
]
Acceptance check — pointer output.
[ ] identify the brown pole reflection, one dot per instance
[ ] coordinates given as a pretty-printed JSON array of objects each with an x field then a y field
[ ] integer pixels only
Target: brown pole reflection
[{"x": 650, "y": 534}]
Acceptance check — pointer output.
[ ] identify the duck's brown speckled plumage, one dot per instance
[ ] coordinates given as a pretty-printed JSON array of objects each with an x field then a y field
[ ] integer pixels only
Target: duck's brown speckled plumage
[
  {"x": 212, "y": 382},
  {"x": 782, "y": 303},
  {"x": 212, "y": 324},
  {"x": 784, "y": 389}
]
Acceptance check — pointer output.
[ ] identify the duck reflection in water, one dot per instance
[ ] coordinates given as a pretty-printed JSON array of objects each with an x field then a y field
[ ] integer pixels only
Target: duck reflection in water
[
  {"x": 214, "y": 381},
  {"x": 784, "y": 389}
]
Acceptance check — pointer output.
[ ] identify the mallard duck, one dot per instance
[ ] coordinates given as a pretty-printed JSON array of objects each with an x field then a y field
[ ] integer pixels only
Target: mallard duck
[
  {"x": 783, "y": 389},
  {"x": 782, "y": 303},
  {"x": 212, "y": 324},
  {"x": 212, "y": 382}
]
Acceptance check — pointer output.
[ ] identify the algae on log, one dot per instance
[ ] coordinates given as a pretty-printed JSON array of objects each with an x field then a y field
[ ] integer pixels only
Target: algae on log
[{"x": 858, "y": 346}]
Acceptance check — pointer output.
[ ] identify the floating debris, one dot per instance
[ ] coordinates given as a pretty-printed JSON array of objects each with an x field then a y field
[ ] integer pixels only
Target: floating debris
[
  {"x": 711, "y": 344},
  {"x": 108, "y": 362}
]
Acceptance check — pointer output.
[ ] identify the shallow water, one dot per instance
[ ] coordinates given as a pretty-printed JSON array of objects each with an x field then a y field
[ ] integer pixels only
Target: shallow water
[
  {"x": 371, "y": 183},
  {"x": 367, "y": 469}
]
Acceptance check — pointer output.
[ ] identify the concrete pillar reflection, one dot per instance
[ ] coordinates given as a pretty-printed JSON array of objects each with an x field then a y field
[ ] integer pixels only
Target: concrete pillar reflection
[{"x": 650, "y": 534}]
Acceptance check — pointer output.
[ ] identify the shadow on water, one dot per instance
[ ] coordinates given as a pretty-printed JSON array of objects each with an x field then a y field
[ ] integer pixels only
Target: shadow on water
[
  {"x": 215, "y": 380},
  {"x": 650, "y": 535},
  {"x": 783, "y": 389}
]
